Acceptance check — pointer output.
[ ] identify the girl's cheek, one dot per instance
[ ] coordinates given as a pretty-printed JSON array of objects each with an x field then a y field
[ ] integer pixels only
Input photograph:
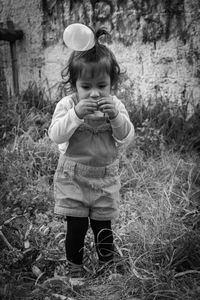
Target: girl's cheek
[
  {"x": 107, "y": 94},
  {"x": 82, "y": 95}
]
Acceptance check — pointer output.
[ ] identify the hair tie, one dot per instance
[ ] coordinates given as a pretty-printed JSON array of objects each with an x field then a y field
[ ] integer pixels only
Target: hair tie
[{"x": 79, "y": 37}]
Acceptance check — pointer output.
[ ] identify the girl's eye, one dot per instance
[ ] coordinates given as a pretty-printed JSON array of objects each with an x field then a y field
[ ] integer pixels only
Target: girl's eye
[
  {"x": 102, "y": 86},
  {"x": 85, "y": 87}
]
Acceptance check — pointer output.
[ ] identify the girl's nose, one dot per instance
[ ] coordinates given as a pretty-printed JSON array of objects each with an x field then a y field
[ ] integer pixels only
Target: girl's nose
[{"x": 94, "y": 93}]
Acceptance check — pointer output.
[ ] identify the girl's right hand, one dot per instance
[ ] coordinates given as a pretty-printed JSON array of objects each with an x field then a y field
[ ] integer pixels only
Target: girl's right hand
[{"x": 85, "y": 107}]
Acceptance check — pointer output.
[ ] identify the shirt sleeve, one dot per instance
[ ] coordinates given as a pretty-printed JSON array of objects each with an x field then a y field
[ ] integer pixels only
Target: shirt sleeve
[
  {"x": 64, "y": 121},
  {"x": 122, "y": 127}
]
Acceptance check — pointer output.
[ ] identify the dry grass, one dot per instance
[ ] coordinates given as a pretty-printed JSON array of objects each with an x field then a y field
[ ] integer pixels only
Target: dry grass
[
  {"x": 158, "y": 231},
  {"x": 156, "y": 236}
]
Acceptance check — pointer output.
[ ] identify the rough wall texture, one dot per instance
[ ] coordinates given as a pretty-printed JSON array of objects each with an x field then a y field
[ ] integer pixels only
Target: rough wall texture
[{"x": 158, "y": 42}]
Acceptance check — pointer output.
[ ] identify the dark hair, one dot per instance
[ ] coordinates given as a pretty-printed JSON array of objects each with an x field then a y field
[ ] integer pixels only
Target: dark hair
[{"x": 100, "y": 55}]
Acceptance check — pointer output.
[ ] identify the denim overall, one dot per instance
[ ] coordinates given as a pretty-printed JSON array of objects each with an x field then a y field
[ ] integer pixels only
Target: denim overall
[{"x": 86, "y": 182}]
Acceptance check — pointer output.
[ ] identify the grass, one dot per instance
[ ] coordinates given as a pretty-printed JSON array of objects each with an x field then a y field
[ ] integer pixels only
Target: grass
[
  {"x": 156, "y": 235},
  {"x": 158, "y": 216}
]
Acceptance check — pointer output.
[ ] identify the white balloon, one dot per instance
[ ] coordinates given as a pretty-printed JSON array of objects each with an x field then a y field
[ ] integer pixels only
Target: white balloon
[{"x": 79, "y": 37}]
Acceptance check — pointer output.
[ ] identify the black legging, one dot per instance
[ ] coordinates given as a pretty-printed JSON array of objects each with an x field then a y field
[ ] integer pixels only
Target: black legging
[{"x": 76, "y": 231}]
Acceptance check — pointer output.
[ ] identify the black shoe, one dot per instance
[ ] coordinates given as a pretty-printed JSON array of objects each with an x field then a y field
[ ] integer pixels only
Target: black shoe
[{"x": 76, "y": 274}]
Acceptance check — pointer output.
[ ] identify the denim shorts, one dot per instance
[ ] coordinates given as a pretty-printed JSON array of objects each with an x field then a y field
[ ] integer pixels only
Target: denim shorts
[{"x": 86, "y": 191}]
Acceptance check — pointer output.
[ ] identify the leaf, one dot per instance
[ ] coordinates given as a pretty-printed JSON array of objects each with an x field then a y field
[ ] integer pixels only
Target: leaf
[
  {"x": 36, "y": 271},
  {"x": 26, "y": 244}
]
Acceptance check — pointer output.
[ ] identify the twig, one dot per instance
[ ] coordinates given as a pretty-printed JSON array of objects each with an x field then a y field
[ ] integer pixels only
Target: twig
[
  {"x": 6, "y": 241},
  {"x": 186, "y": 272}
]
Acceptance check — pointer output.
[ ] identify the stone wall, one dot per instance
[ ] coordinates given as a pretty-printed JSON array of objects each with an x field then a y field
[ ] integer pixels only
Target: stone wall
[{"x": 157, "y": 42}]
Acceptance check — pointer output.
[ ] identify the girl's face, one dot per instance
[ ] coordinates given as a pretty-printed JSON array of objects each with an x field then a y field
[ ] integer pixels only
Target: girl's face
[{"x": 93, "y": 86}]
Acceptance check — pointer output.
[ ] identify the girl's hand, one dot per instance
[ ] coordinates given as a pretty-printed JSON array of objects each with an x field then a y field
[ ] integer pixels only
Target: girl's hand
[
  {"x": 107, "y": 105},
  {"x": 85, "y": 107}
]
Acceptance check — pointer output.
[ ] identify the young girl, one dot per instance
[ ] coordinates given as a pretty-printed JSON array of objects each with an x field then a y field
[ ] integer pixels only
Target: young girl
[{"x": 89, "y": 127}]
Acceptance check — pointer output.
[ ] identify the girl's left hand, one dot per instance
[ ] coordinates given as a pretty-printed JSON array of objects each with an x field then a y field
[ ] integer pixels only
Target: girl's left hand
[{"x": 107, "y": 105}]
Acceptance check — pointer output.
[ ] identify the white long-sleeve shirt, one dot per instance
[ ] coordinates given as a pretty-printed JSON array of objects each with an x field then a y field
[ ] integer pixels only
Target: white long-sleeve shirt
[{"x": 65, "y": 122}]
